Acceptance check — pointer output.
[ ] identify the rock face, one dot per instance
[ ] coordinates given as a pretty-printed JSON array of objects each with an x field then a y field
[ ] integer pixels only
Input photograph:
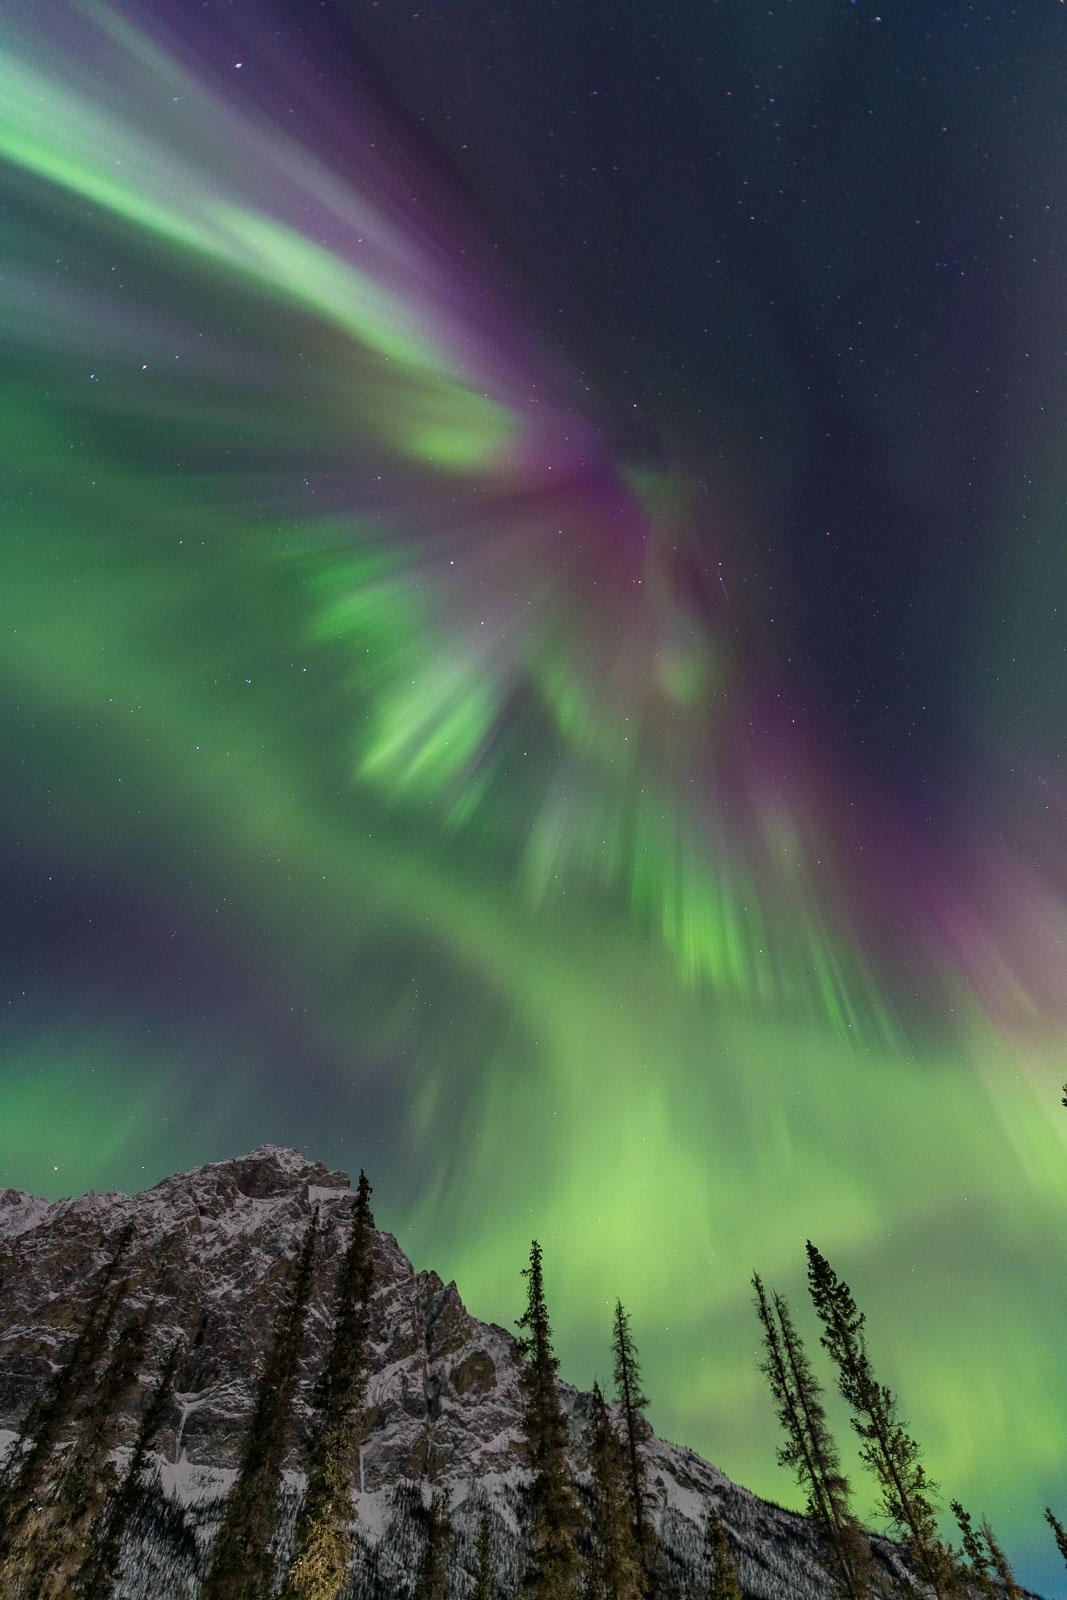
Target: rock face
[{"x": 211, "y": 1252}]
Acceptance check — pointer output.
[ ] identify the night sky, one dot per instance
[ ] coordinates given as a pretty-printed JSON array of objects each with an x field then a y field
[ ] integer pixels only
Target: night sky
[{"x": 532, "y": 616}]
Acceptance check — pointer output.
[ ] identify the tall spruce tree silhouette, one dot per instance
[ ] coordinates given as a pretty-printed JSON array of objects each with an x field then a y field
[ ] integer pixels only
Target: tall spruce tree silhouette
[
  {"x": 483, "y": 1561},
  {"x": 810, "y": 1449},
  {"x": 615, "y": 1568},
  {"x": 322, "y": 1545},
  {"x": 723, "y": 1580},
  {"x": 634, "y": 1404},
  {"x": 1000, "y": 1564},
  {"x": 242, "y": 1561},
  {"x": 553, "y": 1566},
  {"x": 907, "y": 1494},
  {"x": 97, "y": 1577},
  {"x": 976, "y": 1555},
  {"x": 432, "y": 1580}
]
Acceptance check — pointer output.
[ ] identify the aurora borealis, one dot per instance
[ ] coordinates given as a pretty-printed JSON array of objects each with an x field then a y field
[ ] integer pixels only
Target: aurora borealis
[{"x": 532, "y": 623}]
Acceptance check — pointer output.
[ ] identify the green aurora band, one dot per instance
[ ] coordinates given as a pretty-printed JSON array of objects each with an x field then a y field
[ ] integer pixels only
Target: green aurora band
[{"x": 380, "y": 693}]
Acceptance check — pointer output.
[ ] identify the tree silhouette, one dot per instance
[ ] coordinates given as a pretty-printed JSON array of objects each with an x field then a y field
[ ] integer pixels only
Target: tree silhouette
[
  {"x": 887, "y": 1449},
  {"x": 810, "y": 1449},
  {"x": 634, "y": 1404},
  {"x": 616, "y": 1568},
  {"x": 97, "y": 1576},
  {"x": 242, "y": 1562},
  {"x": 322, "y": 1546},
  {"x": 1058, "y": 1531},
  {"x": 483, "y": 1561},
  {"x": 972, "y": 1549},
  {"x": 553, "y": 1565},
  {"x": 432, "y": 1580},
  {"x": 724, "y": 1581},
  {"x": 1001, "y": 1565}
]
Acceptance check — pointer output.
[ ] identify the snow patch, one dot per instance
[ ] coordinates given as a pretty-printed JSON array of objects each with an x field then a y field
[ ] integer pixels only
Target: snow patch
[{"x": 20, "y": 1212}]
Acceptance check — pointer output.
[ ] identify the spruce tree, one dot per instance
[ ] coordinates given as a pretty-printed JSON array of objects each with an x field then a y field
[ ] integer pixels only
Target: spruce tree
[
  {"x": 1059, "y": 1533},
  {"x": 615, "y": 1568},
  {"x": 553, "y": 1564},
  {"x": 322, "y": 1545},
  {"x": 432, "y": 1580},
  {"x": 483, "y": 1561},
  {"x": 27, "y": 1467},
  {"x": 1001, "y": 1565},
  {"x": 724, "y": 1581},
  {"x": 972, "y": 1549},
  {"x": 907, "y": 1495},
  {"x": 242, "y": 1561},
  {"x": 810, "y": 1449},
  {"x": 96, "y": 1579},
  {"x": 634, "y": 1403}
]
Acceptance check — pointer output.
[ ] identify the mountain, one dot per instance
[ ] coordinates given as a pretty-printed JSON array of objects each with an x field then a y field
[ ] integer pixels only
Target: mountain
[{"x": 211, "y": 1252}]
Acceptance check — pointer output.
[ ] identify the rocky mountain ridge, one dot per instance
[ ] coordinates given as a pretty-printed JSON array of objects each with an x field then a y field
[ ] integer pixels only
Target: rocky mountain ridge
[{"x": 211, "y": 1252}]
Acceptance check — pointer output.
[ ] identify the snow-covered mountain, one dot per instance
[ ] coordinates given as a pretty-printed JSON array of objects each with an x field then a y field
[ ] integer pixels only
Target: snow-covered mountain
[{"x": 211, "y": 1252}]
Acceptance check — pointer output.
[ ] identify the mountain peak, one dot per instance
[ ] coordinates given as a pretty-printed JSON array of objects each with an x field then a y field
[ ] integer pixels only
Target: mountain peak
[{"x": 268, "y": 1170}]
